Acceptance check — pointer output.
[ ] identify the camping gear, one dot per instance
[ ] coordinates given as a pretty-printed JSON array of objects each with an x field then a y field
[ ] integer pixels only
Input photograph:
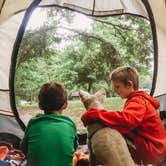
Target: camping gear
[
  {"x": 3, "y": 152},
  {"x": 9, "y": 155}
]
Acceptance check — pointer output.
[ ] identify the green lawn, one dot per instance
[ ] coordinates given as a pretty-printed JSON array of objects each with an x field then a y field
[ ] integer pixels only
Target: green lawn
[{"x": 75, "y": 109}]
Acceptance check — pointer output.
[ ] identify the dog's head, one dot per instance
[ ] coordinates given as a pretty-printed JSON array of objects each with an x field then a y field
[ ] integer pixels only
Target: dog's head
[{"x": 96, "y": 100}]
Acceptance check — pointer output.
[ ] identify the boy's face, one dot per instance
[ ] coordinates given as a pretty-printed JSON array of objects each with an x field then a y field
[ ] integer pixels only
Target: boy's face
[{"x": 123, "y": 90}]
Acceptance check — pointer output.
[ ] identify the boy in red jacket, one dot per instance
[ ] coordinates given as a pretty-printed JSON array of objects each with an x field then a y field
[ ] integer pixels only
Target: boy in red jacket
[{"x": 138, "y": 121}]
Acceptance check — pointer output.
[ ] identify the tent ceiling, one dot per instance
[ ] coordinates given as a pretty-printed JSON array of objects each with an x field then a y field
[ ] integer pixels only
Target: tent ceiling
[
  {"x": 104, "y": 7},
  {"x": 159, "y": 12},
  {"x": 9, "y": 8}
]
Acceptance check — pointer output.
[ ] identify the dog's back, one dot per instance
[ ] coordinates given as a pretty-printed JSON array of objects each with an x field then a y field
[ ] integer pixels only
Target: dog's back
[{"x": 107, "y": 144}]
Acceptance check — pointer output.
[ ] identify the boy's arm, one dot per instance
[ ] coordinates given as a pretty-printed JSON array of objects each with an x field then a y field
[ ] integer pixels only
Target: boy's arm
[{"x": 123, "y": 121}]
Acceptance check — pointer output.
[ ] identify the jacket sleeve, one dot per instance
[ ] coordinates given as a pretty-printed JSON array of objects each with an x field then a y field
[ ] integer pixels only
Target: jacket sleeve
[{"x": 123, "y": 121}]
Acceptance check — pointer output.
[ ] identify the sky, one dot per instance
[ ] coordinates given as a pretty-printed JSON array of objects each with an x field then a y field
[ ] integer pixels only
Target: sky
[
  {"x": 37, "y": 18},
  {"x": 80, "y": 22}
]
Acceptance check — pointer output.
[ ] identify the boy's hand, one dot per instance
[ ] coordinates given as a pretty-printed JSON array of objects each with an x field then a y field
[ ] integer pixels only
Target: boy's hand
[{"x": 89, "y": 116}]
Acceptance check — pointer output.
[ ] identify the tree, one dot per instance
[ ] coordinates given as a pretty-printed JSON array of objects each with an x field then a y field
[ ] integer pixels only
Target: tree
[{"x": 82, "y": 58}]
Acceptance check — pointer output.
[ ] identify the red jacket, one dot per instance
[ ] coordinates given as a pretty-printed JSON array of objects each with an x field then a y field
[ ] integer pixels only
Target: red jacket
[{"x": 138, "y": 120}]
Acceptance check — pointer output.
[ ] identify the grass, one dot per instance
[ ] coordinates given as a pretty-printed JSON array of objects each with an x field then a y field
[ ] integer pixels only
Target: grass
[{"x": 74, "y": 110}]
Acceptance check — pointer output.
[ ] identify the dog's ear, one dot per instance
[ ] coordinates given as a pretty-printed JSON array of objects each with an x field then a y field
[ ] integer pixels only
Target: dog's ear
[
  {"x": 83, "y": 95},
  {"x": 101, "y": 94}
]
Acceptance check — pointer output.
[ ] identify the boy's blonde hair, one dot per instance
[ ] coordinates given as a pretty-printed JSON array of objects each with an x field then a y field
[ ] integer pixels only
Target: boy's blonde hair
[{"x": 125, "y": 74}]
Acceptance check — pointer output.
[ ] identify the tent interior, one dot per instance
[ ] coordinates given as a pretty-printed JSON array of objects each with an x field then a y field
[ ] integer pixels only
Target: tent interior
[{"x": 15, "y": 18}]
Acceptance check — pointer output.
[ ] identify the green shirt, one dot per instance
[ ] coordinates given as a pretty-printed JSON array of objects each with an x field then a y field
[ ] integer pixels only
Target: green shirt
[{"x": 49, "y": 140}]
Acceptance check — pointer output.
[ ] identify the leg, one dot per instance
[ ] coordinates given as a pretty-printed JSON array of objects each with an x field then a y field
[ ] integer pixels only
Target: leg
[
  {"x": 143, "y": 151},
  {"x": 92, "y": 157},
  {"x": 133, "y": 152}
]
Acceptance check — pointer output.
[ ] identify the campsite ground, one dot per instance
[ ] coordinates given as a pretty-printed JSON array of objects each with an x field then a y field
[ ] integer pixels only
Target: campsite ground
[{"x": 74, "y": 110}]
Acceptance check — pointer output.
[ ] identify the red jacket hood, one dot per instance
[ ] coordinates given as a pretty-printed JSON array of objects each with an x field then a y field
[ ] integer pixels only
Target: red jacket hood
[{"x": 151, "y": 99}]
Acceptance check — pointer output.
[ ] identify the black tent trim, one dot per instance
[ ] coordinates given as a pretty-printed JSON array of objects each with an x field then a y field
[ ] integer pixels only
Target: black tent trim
[
  {"x": 119, "y": 12},
  {"x": 4, "y": 90},
  {"x": 155, "y": 44},
  {"x": 94, "y": 2},
  {"x": 2, "y": 6},
  {"x": 6, "y": 113},
  {"x": 14, "y": 60},
  {"x": 160, "y": 95}
]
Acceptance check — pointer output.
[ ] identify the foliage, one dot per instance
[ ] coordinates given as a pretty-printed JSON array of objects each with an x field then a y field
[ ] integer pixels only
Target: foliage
[{"x": 82, "y": 58}]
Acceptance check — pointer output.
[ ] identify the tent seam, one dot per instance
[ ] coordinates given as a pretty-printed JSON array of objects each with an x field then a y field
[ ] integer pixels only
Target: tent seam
[{"x": 3, "y": 3}]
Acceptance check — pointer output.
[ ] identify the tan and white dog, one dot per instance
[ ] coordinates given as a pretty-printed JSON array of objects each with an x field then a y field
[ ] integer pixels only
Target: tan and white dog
[{"x": 107, "y": 146}]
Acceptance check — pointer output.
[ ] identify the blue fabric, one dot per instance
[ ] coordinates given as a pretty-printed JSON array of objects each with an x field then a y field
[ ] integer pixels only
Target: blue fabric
[{"x": 4, "y": 163}]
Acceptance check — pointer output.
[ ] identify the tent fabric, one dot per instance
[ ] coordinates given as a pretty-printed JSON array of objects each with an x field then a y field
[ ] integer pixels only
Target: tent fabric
[
  {"x": 8, "y": 34},
  {"x": 9, "y": 8},
  {"x": 103, "y": 7},
  {"x": 5, "y": 102},
  {"x": 12, "y": 14},
  {"x": 159, "y": 12},
  {"x": 8, "y": 124}
]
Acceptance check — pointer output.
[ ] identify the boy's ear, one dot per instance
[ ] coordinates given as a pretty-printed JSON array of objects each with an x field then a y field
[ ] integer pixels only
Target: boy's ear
[
  {"x": 65, "y": 105},
  {"x": 130, "y": 84},
  {"x": 83, "y": 95}
]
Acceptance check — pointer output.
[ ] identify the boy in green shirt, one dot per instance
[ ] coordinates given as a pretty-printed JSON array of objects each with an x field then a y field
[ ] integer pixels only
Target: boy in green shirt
[{"x": 50, "y": 138}]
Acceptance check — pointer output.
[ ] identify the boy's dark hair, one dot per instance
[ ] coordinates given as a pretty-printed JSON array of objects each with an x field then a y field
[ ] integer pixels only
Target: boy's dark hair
[
  {"x": 52, "y": 97},
  {"x": 125, "y": 74}
]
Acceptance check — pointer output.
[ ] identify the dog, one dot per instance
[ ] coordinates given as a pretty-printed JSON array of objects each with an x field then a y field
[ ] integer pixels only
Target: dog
[{"x": 107, "y": 146}]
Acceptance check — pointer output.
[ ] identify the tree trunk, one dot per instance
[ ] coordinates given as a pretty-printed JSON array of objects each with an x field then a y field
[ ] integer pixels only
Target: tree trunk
[{"x": 89, "y": 86}]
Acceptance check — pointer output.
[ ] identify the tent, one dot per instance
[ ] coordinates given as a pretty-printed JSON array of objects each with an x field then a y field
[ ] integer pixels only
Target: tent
[{"x": 14, "y": 15}]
